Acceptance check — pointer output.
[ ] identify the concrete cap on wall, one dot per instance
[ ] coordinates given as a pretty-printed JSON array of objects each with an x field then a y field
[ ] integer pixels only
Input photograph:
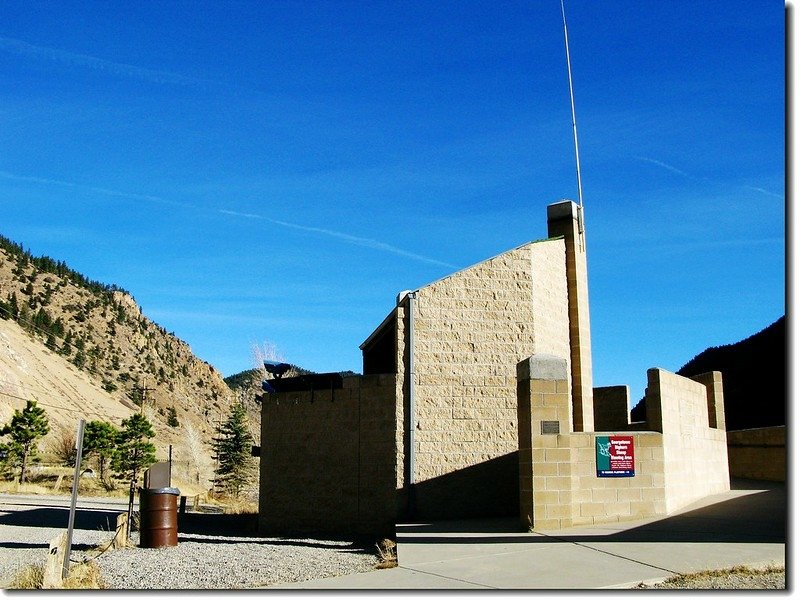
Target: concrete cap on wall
[
  {"x": 543, "y": 367},
  {"x": 562, "y": 209}
]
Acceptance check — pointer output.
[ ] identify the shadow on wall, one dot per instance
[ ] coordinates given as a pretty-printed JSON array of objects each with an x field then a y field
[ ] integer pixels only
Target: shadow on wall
[{"x": 487, "y": 489}]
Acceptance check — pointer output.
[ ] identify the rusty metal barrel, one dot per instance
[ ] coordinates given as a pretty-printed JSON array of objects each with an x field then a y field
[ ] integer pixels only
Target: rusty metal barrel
[{"x": 158, "y": 517}]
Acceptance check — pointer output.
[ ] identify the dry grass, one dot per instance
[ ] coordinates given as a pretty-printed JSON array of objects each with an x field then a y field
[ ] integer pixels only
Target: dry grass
[
  {"x": 387, "y": 553},
  {"x": 744, "y": 571},
  {"x": 27, "y": 488},
  {"x": 231, "y": 505},
  {"x": 59, "y": 481},
  {"x": 84, "y": 576},
  {"x": 81, "y": 576},
  {"x": 28, "y": 578}
]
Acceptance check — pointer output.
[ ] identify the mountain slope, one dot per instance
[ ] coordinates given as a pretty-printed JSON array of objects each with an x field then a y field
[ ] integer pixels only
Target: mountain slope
[
  {"x": 753, "y": 378},
  {"x": 54, "y": 319}
]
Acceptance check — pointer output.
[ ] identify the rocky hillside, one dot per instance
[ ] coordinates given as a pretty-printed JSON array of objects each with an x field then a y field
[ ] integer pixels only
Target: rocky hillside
[
  {"x": 753, "y": 378},
  {"x": 101, "y": 333}
]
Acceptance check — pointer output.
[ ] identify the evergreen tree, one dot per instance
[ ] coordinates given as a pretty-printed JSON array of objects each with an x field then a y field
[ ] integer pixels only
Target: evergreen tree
[
  {"x": 133, "y": 451},
  {"x": 26, "y": 427},
  {"x": 13, "y": 306},
  {"x": 232, "y": 450},
  {"x": 172, "y": 418},
  {"x": 100, "y": 439}
]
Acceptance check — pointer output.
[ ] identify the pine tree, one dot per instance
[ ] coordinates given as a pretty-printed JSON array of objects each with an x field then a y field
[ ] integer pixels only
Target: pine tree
[
  {"x": 26, "y": 427},
  {"x": 100, "y": 439},
  {"x": 134, "y": 451},
  {"x": 172, "y": 417},
  {"x": 232, "y": 450}
]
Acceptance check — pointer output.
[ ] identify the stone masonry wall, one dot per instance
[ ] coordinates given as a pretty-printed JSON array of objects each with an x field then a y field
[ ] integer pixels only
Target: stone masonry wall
[
  {"x": 559, "y": 486},
  {"x": 695, "y": 454},
  {"x": 758, "y": 453},
  {"x": 328, "y": 459},
  {"x": 471, "y": 329},
  {"x": 565, "y": 219},
  {"x": 683, "y": 461}
]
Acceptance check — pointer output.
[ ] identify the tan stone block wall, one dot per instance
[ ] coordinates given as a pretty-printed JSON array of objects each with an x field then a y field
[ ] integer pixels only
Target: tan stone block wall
[
  {"x": 696, "y": 455},
  {"x": 471, "y": 329},
  {"x": 758, "y": 453},
  {"x": 563, "y": 219},
  {"x": 559, "y": 486},
  {"x": 328, "y": 463},
  {"x": 611, "y": 408}
]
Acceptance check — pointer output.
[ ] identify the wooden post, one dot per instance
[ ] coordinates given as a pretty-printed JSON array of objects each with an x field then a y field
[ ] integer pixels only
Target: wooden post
[
  {"x": 53, "y": 567},
  {"x": 122, "y": 533}
]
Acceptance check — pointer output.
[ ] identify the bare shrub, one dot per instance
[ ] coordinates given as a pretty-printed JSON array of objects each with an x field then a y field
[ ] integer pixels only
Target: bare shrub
[
  {"x": 387, "y": 554},
  {"x": 198, "y": 454},
  {"x": 62, "y": 447}
]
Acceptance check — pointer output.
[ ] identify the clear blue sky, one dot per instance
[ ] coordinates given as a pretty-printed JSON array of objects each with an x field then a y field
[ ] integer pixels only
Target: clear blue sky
[{"x": 279, "y": 171}]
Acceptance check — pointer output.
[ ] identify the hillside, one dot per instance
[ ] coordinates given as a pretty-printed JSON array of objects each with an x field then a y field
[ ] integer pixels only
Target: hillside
[
  {"x": 753, "y": 378},
  {"x": 84, "y": 349}
]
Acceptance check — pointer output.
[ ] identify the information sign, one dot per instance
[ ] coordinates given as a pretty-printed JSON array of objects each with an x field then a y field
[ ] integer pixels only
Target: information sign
[{"x": 615, "y": 456}]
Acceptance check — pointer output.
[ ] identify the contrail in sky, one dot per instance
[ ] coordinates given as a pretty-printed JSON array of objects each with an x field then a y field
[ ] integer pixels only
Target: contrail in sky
[
  {"x": 23, "y": 48},
  {"x": 94, "y": 189},
  {"x": 683, "y": 173},
  {"x": 763, "y": 191},
  {"x": 664, "y": 165},
  {"x": 356, "y": 240}
]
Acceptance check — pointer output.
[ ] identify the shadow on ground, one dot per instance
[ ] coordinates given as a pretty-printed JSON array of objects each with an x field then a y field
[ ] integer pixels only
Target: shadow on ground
[{"x": 758, "y": 517}]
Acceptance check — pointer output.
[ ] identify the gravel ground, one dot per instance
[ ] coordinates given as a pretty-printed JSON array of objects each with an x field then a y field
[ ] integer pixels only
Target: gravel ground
[
  {"x": 227, "y": 562},
  {"x": 738, "y": 578},
  {"x": 197, "y": 562},
  {"x": 27, "y": 545}
]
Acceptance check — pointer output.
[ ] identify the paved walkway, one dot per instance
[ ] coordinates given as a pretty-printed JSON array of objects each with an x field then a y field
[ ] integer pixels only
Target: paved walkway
[{"x": 746, "y": 526}]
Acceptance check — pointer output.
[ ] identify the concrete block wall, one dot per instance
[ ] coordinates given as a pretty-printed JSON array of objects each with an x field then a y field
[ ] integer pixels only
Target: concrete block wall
[
  {"x": 559, "y": 486},
  {"x": 544, "y": 405},
  {"x": 611, "y": 408},
  {"x": 695, "y": 454},
  {"x": 565, "y": 219},
  {"x": 328, "y": 459},
  {"x": 758, "y": 453},
  {"x": 470, "y": 330},
  {"x": 597, "y": 500},
  {"x": 683, "y": 461}
]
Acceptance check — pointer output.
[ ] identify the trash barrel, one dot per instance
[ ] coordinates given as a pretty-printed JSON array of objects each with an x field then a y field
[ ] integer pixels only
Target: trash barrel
[{"x": 158, "y": 517}]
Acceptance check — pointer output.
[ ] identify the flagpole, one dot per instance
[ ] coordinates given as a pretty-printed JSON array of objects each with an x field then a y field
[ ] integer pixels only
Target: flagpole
[{"x": 574, "y": 124}]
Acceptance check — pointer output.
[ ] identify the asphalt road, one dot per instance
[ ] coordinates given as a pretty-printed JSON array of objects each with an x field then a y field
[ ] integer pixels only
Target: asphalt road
[
  {"x": 7, "y": 501},
  {"x": 52, "y": 511}
]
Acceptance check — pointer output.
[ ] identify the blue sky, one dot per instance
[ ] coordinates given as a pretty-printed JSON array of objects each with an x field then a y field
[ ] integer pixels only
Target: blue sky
[{"x": 279, "y": 171}]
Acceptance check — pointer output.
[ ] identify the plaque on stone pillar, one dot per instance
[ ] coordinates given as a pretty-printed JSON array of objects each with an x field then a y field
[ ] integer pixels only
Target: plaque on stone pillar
[{"x": 551, "y": 427}]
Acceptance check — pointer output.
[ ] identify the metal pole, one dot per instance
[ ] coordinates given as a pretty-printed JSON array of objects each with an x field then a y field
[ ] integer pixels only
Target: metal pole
[
  {"x": 74, "y": 501},
  {"x": 572, "y": 105}
]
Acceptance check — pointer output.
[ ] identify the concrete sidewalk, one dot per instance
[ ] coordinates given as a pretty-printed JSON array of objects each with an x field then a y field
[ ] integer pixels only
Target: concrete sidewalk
[{"x": 746, "y": 526}]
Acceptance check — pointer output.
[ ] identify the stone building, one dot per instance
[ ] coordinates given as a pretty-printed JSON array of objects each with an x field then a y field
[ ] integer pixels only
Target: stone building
[{"x": 477, "y": 400}]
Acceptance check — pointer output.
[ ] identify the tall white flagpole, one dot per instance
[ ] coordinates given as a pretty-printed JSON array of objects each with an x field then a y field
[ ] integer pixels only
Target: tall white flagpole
[{"x": 574, "y": 124}]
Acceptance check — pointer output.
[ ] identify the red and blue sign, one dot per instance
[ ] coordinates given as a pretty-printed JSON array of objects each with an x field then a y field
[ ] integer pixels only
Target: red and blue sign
[{"x": 615, "y": 456}]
